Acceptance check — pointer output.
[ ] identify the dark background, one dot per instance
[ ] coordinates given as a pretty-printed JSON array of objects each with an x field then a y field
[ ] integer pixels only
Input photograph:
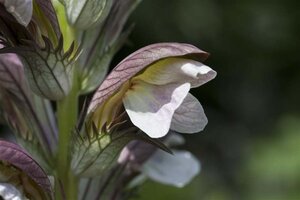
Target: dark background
[{"x": 251, "y": 146}]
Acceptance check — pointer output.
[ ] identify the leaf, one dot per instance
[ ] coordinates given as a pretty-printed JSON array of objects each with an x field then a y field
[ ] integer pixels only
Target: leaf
[
  {"x": 14, "y": 155},
  {"x": 139, "y": 60},
  {"x": 94, "y": 156}
]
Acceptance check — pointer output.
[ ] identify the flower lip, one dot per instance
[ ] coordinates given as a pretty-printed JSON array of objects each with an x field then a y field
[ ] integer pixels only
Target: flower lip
[{"x": 138, "y": 61}]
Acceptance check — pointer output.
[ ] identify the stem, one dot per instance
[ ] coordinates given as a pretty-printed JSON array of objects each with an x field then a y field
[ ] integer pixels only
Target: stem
[{"x": 67, "y": 116}]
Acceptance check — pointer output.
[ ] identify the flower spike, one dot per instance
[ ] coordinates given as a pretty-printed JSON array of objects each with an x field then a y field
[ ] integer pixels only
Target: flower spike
[{"x": 153, "y": 85}]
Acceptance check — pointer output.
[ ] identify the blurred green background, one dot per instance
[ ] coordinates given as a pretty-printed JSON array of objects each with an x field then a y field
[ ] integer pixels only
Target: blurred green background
[{"x": 251, "y": 146}]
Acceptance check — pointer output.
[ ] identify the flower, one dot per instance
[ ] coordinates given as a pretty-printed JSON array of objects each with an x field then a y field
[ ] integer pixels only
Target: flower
[
  {"x": 153, "y": 85},
  {"x": 21, "y": 173},
  {"x": 145, "y": 161}
]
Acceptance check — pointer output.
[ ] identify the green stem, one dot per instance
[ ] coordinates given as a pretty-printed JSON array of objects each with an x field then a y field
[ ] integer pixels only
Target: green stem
[{"x": 67, "y": 110}]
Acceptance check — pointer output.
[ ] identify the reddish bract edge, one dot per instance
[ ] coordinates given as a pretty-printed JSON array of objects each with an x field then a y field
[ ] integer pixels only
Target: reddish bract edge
[{"x": 14, "y": 155}]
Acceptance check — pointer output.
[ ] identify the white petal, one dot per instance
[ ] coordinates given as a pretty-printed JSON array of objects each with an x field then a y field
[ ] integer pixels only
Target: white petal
[
  {"x": 20, "y": 9},
  {"x": 189, "y": 117},
  {"x": 177, "y": 70},
  {"x": 177, "y": 170},
  {"x": 151, "y": 107},
  {"x": 9, "y": 192}
]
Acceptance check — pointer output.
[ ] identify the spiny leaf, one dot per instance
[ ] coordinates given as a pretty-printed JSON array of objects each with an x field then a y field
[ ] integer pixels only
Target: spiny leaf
[
  {"x": 48, "y": 69},
  {"x": 96, "y": 155}
]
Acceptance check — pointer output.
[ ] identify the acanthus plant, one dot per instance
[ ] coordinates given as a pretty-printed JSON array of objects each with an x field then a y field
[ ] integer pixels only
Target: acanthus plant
[{"x": 53, "y": 52}]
